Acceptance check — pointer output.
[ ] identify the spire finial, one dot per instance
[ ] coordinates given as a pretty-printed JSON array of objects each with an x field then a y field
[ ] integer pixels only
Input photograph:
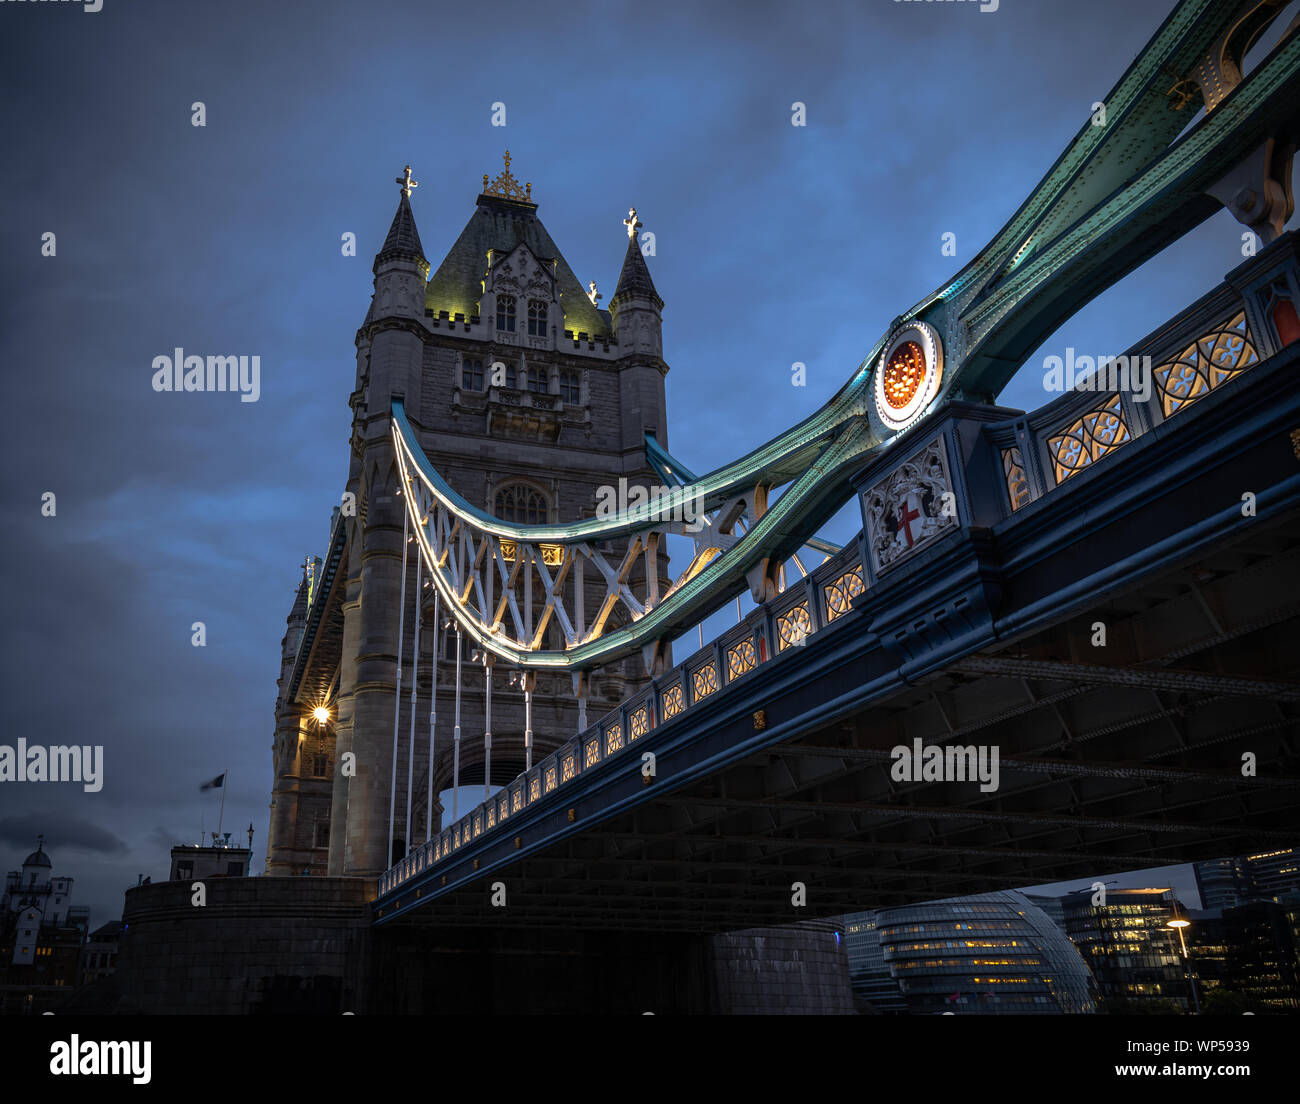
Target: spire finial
[
  {"x": 40, "y": 843},
  {"x": 506, "y": 186},
  {"x": 632, "y": 223},
  {"x": 407, "y": 183}
]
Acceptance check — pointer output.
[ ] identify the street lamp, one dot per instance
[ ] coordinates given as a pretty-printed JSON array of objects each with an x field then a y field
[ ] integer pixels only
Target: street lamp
[{"x": 1178, "y": 923}]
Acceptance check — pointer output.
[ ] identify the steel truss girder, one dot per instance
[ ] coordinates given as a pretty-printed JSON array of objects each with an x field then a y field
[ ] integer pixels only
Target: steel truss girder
[{"x": 1137, "y": 677}]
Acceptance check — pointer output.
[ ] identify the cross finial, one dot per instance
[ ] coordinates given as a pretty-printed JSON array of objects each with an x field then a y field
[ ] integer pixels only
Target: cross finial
[
  {"x": 407, "y": 183},
  {"x": 593, "y": 294},
  {"x": 632, "y": 223},
  {"x": 40, "y": 841}
]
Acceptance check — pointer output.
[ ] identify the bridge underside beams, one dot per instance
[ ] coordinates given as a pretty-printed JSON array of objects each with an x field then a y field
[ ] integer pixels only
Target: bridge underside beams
[{"x": 1110, "y": 758}]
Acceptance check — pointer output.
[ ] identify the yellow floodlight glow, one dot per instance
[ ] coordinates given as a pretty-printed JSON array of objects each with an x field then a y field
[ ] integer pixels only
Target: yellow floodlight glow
[{"x": 321, "y": 714}]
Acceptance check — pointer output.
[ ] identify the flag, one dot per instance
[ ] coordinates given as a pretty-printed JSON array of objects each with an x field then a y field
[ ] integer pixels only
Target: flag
[{"x": 216, "y": 783}]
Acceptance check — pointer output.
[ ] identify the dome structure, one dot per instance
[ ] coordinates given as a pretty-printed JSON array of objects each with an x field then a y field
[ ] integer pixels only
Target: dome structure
[{"x": 38, "y": 857}]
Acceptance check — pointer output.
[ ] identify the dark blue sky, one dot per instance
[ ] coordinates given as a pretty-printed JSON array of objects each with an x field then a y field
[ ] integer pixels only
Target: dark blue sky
[{"x": 775, "y": 244}]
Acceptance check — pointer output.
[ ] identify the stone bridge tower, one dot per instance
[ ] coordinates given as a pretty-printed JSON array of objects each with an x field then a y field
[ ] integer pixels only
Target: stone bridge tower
[{"x": 528, "y": 398}]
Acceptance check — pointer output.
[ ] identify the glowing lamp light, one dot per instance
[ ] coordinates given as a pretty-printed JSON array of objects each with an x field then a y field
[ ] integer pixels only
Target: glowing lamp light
[
  {"x": 321, "y": 714},
  {"x": 1179, "y": 924}
]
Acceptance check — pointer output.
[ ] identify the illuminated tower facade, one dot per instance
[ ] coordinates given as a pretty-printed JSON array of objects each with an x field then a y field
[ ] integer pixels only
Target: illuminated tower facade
[{"x": 528, "y": 398}]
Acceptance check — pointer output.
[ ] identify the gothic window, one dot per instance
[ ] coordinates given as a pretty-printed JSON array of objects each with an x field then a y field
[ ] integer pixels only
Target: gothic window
[
  {"x": 570, "y": 387},
  {"x": 521, "y": 504},
  {"x": 537, "y": 381},
  {"x": 536, "y": 318},
  {"x": 471, "y": 376},
  {"x": 506, "y": 313}
]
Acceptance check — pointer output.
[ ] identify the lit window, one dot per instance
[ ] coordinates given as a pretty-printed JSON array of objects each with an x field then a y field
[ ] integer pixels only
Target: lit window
[
  {"x": 506, "y": 313},
  {"x": 536, "y": 318}
]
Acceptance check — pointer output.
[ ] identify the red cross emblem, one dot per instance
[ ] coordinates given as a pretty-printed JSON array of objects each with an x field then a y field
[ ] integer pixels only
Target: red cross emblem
[{"x": 911, "y": 521}]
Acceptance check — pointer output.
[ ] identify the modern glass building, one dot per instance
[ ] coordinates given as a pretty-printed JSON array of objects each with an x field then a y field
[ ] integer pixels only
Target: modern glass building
[
  {"x": 990, "y": 953},
  {"x": 1133, "y": 954},
  {"x": 1250, "y": 952},
  {"x": 874, "y": 987},
  {"x": 1227, "y": 883}
]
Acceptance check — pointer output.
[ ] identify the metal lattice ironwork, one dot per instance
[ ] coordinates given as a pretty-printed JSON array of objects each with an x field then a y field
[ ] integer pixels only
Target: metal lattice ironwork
[
  {"x": 793, "y": 626},
  {"x": 840, "y": 593},
  {"x": 1013, "y": 471},
  {"x": 1209, "y": 362},
  {"x": 741, "y": 658},
  {"x": 1088, "y": 439},
  {"x": 613, "y": 739},
  {"x": 705, "y": 681}
]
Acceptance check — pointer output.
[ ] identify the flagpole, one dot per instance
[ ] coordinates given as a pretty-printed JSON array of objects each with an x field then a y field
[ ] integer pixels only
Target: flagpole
[{"x": 225, "y": 783}]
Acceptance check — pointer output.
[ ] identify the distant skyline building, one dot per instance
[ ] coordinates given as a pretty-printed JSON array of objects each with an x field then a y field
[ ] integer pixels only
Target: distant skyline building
[
  {"x": 99, "y": 955},
  {"x": 874, "y": 988},
  {"x": 193, "y": 861},
  {"x": 985, "y": 954},
  {"x": 1248, "y": 952},
  {"x": 41, "y": 934},
  {"x": 1229, "y": 882},
  {"x": 1132, "y": 953},
  {"x": 1052, "y": 906}
]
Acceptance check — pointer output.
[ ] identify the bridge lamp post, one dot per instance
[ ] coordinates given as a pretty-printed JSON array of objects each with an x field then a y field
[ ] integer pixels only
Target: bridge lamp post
[{"x": 1178, "y": 923}]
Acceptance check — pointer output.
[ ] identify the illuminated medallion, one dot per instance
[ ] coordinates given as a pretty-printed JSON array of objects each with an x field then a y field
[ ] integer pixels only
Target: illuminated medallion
[{"x": 908, "y": 374}]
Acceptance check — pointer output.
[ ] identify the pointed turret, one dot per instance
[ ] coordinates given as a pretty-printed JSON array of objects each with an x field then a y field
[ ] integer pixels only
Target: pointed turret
[
  {"x": 635, "y": 307},
  {"x": 403, "y": 241},
  {"x": 634, "y": 280},
  {"x": 388, "y": 343},
  {"x": 636, "y": 312}
]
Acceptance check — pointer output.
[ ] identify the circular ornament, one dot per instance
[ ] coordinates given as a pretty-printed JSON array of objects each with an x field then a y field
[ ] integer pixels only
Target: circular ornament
[{"x": 908, "y": 374}]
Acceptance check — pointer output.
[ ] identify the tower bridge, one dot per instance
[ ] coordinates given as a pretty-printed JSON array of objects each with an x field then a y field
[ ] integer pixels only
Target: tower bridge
[{"x": 1100, "y": 589}]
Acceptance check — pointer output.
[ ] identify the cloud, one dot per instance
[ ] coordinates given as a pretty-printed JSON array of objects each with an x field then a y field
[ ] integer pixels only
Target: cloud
[{"x": 64, "y": 831}]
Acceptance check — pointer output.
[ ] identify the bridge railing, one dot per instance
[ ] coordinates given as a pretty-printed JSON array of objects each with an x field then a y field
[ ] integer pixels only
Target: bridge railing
[
  {"x": 768, "y": 632},
  {"x": 1211, "y": 344}
]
